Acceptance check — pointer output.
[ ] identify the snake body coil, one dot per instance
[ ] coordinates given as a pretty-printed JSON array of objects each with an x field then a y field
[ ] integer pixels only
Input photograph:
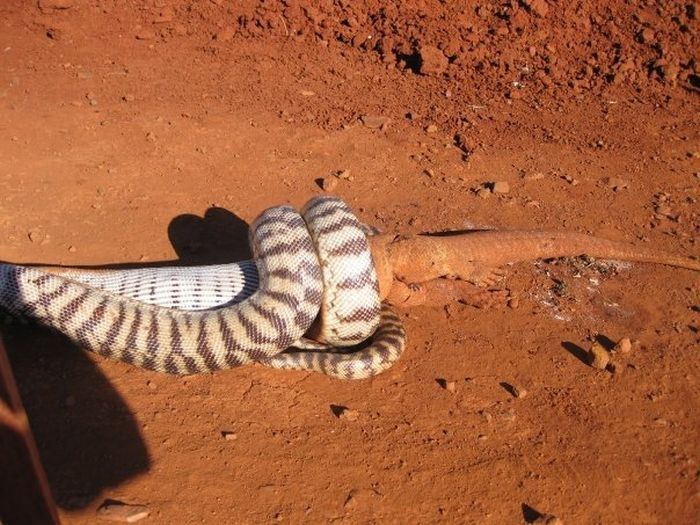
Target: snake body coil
[{"x": 199, "y": 319}]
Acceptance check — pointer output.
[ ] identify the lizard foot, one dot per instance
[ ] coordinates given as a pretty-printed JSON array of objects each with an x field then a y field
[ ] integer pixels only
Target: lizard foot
[{"x": 484, "y": 276}]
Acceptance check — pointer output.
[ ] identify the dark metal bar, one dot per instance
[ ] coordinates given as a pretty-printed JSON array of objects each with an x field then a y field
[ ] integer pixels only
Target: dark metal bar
[{"x": 25, "y": 496}]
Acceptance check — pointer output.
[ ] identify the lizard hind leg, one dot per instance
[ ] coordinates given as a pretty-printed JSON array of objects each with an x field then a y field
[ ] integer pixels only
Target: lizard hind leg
[{"x": 481, "y": 275}]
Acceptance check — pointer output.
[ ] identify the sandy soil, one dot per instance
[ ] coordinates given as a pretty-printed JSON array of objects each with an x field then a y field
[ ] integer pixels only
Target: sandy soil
[{"x": 155, "y": 131}]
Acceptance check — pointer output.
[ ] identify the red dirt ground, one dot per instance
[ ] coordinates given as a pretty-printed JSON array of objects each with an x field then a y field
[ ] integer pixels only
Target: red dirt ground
[{"x": 153, "y": 130}]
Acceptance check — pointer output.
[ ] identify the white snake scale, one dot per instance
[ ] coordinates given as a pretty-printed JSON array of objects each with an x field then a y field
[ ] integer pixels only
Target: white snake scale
[{"x": 199, "y": 319}]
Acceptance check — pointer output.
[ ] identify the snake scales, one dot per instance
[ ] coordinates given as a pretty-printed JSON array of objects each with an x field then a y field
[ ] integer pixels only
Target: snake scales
[{"x": 201, "y": 319}]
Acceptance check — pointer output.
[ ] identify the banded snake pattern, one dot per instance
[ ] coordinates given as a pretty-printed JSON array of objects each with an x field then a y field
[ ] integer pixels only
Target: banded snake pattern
[{"x": 312, "y": 273}]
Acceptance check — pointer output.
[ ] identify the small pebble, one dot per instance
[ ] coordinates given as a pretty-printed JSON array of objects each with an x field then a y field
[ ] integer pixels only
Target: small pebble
[
  {"x": 598, "y": 357},
  {"x": 329, "y": 183},
  {"x": 432, "y": 60},
  {"x": 538, "y": 175},
  {"x": 483, "y": 193},
  {"x": 128, "y": 97},
  {"x": 624, "y": 346},
  {"x": 374, "y": 121},
  {"x": 145, "y": 34},
  {"x": 518, "y": 391},
  {"x": 450, "y": 386},
  {"x": 35, "y": 236},
  {"x": 616, "y": 184},
  {"x": 349, "y": 414},
  {"x": 229, "y": 435},
  {"x": 71, "y": 249},
  {"x": 122, "y": 512},
  {"x": 432, "y": 128},
  {"x": 501, "y": 187}
]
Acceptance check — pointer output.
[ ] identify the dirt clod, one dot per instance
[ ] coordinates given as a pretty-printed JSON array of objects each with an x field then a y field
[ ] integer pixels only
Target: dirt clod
[
  {"x": 501, "y": 187},
  {"x": 432, "y": 61},
  {"x": 329, "y": 184},
  {"x": 518, "y": 391},
  {"x": 624, "y": 345},
  {"x": 48, "y": 5},
  {"x": 375, "y": 121}
]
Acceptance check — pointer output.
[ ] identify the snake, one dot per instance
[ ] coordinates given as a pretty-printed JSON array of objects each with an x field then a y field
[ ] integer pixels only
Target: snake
[{"x": 312, "y": 273}]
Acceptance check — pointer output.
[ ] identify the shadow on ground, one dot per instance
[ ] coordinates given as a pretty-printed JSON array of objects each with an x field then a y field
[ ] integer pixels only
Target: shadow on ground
[{"x": 88, "y": 438}]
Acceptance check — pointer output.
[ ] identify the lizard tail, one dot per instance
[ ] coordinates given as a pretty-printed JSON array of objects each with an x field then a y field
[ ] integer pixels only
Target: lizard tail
[
  {"x": 420, "y": 258},
  {"x": 519, "y": 246}
]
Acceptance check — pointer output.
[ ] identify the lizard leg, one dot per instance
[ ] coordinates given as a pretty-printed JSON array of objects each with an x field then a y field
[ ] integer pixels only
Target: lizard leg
[{"x": 481, "y": 275}]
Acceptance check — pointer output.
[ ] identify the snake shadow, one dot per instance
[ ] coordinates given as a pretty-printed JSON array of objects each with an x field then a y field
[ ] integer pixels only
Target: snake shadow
[{"x": 88, "y": 438}]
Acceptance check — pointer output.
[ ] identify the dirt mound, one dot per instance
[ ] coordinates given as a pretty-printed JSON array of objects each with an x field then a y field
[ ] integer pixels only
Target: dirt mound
[{"x": 513, "y": 49}]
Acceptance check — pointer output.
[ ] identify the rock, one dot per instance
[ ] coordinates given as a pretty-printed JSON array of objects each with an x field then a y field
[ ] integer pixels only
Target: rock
[
  {"x": 47, "y": 5},
  {"x": 624, "y": 346},
  {"x": 538, "y": 175},
  {"x": 329, "y": 183},
  {"x": 616, "y": 184},
  {"x": 538, "y": 7},
  {"x": 122, "y": 512},
  {"x": 598, "y": 357},
  {"x": 450, "y": 386},
  {"x": 431, "y": 128},
  {"x": 518, "y": 391},
  {"x": 145, "y": 34},
  {"x": 432, "y": 60},
  {"x": 128, "y": 97},
  {"x": 483, "y": 193},
  {"x": 35, "y": 236},
  {"x": 500, "y": 187},
  {"x": 646, "y": 35},
  {"x": 343, "y": 412},
  {"x": 375, "y": 121},
  {"x": 345, "y": 175},
  {"x": 349, "y": 414},
  {"x": 361, "y": 498},
  {"x": 229, "y": 435}
]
